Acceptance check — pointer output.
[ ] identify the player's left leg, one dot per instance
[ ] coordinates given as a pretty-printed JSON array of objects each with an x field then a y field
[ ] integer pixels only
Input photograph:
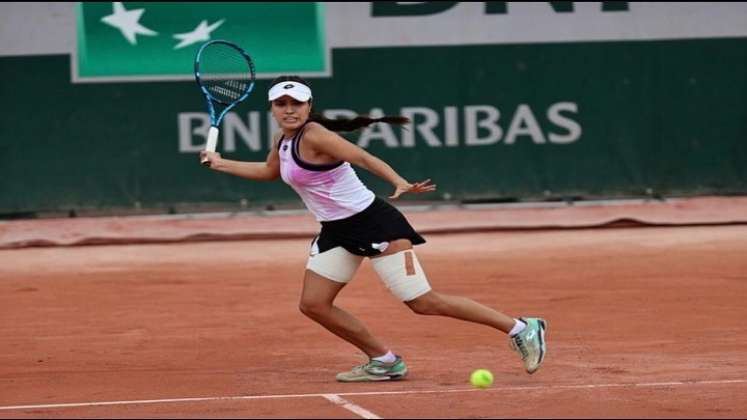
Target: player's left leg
[
  {"x": 529, "y": 342},
  {"x": 435, "y": 303},
  {"x": 401, "y": 272}
]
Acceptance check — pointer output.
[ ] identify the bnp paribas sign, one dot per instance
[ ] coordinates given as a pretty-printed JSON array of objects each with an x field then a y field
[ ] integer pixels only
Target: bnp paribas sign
[{"x": 140, "y": 41}]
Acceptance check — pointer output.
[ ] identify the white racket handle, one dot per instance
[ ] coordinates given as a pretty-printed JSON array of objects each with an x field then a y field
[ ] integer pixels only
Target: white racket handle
[{"x": 212, "y": 140}]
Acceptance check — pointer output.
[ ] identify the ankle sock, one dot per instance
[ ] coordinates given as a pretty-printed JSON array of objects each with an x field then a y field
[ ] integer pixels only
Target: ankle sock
[
  {"x": 389, "y": 357},
  {"x": 518, "y": 327}
]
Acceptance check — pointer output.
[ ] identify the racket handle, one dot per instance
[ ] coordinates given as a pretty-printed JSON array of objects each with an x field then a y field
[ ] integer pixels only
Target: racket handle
[{"x": 212, "y": 142}]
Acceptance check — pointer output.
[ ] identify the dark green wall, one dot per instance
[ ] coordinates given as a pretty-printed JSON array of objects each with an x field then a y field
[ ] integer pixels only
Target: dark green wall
[{"x": 665, "y": 115}]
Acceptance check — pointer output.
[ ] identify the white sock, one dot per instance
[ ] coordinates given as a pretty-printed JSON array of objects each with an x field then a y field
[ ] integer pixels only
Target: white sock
[
  {"x": 389, "y": 357},
  {"x": 518, "y": 327}
]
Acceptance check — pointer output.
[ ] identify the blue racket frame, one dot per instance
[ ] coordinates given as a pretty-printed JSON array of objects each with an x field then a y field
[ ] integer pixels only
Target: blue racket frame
[{"x": 210, "y": 98}]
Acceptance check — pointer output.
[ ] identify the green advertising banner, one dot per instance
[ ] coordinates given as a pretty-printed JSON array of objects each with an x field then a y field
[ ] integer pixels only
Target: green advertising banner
[
  {"x": 587, "y": 119},
  {"x": 158, "y": 41}
]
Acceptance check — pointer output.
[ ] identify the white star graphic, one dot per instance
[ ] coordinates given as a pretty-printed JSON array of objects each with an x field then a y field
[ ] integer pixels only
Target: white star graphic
[
  {"x": 200, "y": 33},
  {"x": 127, "y": 22}
]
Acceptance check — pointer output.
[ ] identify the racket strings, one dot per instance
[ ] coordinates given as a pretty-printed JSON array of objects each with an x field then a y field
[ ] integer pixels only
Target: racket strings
[{"x": 225, "y": 72}]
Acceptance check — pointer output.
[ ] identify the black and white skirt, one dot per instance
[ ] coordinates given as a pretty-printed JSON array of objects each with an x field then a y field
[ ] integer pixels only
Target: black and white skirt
[{"x": 367, "y": 233}]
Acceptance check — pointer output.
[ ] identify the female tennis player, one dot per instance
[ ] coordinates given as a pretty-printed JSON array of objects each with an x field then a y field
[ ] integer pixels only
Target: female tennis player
[{"x": 316, "y": 162}]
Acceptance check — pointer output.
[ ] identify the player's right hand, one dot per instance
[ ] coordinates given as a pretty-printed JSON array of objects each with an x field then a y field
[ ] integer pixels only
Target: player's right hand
[{"x": 209, "y": 158}]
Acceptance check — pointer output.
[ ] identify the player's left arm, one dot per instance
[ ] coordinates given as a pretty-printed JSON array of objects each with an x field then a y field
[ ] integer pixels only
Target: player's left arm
[{"x": 332, "y": 144}]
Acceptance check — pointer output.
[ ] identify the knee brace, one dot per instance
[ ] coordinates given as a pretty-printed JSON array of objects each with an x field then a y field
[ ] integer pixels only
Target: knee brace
[{"x": 402, "y": 275}]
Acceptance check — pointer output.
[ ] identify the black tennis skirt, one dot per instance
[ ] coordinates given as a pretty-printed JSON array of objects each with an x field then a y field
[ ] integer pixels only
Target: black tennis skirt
[{"x": 379, "y": 222}]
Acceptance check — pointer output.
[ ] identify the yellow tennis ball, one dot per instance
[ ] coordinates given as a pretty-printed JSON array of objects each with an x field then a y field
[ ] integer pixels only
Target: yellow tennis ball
[{"x": 481, "y": 378}]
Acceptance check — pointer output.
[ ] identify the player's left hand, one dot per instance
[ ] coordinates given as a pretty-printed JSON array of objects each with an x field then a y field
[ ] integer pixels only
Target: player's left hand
[{"x": 418, "y": 187}]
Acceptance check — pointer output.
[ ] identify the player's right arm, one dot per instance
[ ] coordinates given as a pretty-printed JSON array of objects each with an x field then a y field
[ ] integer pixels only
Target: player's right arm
[{"x": 258, "y": 171}]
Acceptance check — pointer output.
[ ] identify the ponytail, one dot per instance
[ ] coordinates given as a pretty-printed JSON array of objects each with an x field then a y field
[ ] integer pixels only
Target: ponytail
[
  {"x": 348, "y": 124},
  {"x": 342, "y": 124}
]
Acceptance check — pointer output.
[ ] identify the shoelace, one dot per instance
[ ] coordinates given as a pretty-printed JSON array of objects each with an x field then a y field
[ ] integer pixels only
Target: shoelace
[
  {"x": 373, "y": 364},
  {"x": 365, "y": 366}
]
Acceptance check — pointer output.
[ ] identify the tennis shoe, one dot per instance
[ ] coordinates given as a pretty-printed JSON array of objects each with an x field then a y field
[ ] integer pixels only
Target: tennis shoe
[
  {"x": 530, "y": 343},
  {"x": 375, "y": 371}
]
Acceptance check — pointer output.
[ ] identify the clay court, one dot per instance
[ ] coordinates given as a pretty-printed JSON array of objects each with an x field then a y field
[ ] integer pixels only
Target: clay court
[
  {"x": 644, "y": 321},
  {"x": 590, "y": 163}
]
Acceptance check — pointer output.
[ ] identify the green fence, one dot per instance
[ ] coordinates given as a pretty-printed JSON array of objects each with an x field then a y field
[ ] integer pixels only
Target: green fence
[{"x": 526, "y": 122}]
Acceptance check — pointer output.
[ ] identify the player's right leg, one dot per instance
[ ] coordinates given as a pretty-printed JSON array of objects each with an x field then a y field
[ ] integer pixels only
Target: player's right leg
[{"x": 317, "y": 302}]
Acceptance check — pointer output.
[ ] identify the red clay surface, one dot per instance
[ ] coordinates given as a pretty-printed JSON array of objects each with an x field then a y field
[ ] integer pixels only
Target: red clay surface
[
  {"x": 247, "y": 225},
  {"x": 643, "y": 322}
]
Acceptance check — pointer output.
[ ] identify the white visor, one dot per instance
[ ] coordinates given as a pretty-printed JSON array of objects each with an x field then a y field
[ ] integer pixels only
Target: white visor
[{"x": 295, "y": 90}]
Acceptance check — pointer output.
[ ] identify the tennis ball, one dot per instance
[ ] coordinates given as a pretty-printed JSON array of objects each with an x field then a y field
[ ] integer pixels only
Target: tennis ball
[{"x": 481, "y": 378}]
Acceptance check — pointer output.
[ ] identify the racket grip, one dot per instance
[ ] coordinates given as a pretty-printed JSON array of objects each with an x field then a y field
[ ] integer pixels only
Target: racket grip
[{"x": 212, "y": 142}]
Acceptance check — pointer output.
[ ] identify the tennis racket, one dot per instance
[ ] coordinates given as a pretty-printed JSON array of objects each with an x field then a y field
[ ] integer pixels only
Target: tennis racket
[{"x": 225, "y": 74}]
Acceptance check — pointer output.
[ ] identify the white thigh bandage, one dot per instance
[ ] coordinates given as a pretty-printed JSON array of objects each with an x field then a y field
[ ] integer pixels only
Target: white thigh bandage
[
  {"x": 335, "y": 264},
  {"x": 402, "y": 275}
]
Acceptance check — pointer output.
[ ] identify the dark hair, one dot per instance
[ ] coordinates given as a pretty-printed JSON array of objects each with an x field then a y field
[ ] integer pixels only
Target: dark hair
[{"x": 342, "y": 124}]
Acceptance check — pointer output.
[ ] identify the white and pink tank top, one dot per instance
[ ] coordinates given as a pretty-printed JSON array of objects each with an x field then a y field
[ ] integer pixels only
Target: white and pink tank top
[{"x": 330, "y": 192}]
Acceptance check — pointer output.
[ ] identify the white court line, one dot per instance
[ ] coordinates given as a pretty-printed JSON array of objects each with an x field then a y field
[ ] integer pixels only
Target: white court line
[
  {"x": 352, "y": 394},
  {"x": 336, "y": 399}
]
